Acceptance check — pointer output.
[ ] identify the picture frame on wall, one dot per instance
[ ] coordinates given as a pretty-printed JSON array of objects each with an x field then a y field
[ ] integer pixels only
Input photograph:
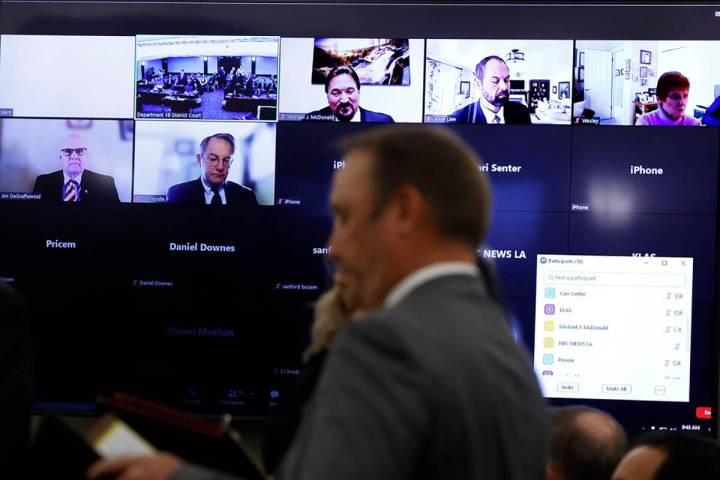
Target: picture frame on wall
[
  {"x": 465, "y": 89},
  {"x": 563, "y": 90},
  {"x": 645, "y": 57},
  {"x": 643, "y": 72}
]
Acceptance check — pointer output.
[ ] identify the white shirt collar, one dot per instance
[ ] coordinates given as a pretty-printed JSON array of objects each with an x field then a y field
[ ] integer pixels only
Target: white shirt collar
[
  {"x": 356, "y": 118},
  {"x": 77, "y": 179},
  {"x": 209, "y": 193},
  {"x": 489, "y": 114},
  {"x": 424, "y": 275}
]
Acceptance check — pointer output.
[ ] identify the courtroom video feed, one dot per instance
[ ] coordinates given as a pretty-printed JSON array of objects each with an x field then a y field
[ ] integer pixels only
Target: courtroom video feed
[
  {"x": 498, "y": 81},
  {"x": 86, "y": 161},
  {"x": 646, "y": 83},
  {"x": 66, "y": 76},
  {"x": 369, "y": 80},
  {"x": 207, "y": 77},
  {"x": 205, "y": 163}
]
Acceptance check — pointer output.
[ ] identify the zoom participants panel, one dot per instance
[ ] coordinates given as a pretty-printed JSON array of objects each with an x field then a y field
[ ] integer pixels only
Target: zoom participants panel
[{"x": 614, "y": 328}]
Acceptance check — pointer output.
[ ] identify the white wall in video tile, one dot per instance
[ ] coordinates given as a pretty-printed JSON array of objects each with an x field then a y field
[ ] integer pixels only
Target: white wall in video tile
[{"x": 67, "y": 76}]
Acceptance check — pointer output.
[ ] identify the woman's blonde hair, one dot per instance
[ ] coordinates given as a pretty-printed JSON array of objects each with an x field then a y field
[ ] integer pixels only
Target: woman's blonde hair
[{"x": 330, "y": 317}]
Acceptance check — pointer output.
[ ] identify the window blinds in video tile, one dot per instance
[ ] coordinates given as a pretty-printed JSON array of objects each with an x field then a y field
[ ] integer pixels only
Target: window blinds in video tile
[
  {"x": 170, "y": 165},
  {"x": 66, "y": 76},
  {"x": 654, "y": 170},
  {"x": 207, "y": 77},
  {"x": 87, "y": 161},
  {"x": 528, "y": 167},
  {"x": 657, "y": 83},
  {"x": 375, "y": 80},
  {"x": 498, "y": 81}
]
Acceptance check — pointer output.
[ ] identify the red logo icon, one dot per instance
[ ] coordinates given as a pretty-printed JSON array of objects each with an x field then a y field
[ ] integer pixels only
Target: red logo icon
[{"x": 703, "y": 413}]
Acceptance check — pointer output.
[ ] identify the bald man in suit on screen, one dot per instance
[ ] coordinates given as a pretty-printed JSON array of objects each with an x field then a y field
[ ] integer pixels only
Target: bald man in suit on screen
[{"x": 75, "y": 183}]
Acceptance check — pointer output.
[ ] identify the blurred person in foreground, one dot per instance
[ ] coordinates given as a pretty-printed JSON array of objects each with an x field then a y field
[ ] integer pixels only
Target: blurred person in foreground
[
  {"x": 422, "y": 386},
  {"x": 671, "y": 456},
  {"x": 587, "y": 444}
]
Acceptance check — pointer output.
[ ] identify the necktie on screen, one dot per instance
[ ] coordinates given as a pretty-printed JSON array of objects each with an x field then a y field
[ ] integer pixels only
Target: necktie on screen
[
  {"x": 496, "y": 119},
  {"x": 71, "y": 191},
  {"x": 216, "y": 200}
]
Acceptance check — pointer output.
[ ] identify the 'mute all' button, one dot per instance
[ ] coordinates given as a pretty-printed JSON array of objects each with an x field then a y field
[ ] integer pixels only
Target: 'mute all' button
[{"x": 703, "y": 413}]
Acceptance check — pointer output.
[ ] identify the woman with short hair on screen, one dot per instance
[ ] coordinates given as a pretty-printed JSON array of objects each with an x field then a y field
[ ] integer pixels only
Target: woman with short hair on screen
[{"x": 672, "y": 93}]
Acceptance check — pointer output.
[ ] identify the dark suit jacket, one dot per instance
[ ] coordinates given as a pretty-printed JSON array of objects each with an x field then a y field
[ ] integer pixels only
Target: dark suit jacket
[
  {"x": 365, "y": 116},
  {"x": 193, "y": 193},
  {"x": 432, "y": 388},
  {"x": 514, "y": 113},
  {"x": 95, "y": 187}
]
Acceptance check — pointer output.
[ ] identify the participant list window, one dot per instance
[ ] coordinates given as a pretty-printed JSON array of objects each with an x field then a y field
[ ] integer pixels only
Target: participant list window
[{"x": 614, "y": 327}]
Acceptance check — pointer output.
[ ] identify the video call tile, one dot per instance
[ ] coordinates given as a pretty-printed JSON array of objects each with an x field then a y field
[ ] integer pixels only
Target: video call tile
[
  {"x": 71, "y": 76},
  {"x": 514, "y": 241},
  {"x": 649, "y": 170},
  {"x": 66, "y": 161},
  {"x": 528, "y": 167},
  {"x": 527, "y": 174},
  {"x": 238, "y": 160},
  {"x": 202, "y": 77},
  {"x": 498, "y": 81},
  {"x": 651, "y": 235},
  {"x": 646, "y": 83},
  {"x": 367, "y": 80}
]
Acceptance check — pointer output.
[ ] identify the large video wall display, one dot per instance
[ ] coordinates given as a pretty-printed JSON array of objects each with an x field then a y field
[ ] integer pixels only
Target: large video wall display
[{"x": 184, "y": 178}]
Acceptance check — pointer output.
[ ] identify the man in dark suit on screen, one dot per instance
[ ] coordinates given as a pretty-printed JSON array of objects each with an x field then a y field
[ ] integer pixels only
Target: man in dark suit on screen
[
  {"x": 212, "y": 188},
  {"x": 492, "y": 77},
  {"x": 343, "y": 95},
  {"x": 429, "y": 384},
  {"x": 74, "y": 183}
]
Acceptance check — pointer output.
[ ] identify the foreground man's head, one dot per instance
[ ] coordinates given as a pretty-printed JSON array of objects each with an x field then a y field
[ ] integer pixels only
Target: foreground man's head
[{"x": 406, "y": 198}]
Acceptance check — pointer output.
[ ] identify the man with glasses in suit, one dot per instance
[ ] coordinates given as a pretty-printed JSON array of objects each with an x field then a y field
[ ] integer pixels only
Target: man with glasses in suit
[
  {"x": 212, "y": 188},
  {"x": 75, "y": 183}
]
